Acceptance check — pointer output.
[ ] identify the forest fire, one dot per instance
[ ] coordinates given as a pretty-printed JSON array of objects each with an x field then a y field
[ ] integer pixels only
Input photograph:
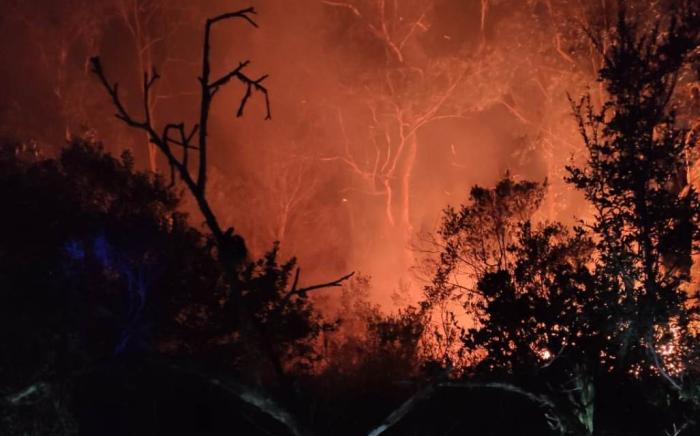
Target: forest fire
[{"x": 350, "y": 217}]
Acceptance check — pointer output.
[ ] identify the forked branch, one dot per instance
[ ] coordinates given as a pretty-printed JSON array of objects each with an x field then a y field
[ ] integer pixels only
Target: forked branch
[
  {"x": 209, "y": 88},
  {"x": 295, "y": 291},
  {"x": 175, "y": 135},
  {"x": 427, "y": 392}
]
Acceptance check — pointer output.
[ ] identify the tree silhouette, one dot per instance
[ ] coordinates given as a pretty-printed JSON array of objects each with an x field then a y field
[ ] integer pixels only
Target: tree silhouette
[
  {"x": 593, "y": 325},
  {"x": 647, "y": 212},
  {"x": 473, "y": 240},
  {"x": 252, "y": 286},
  {"x": 96, "y": 264},
  {"x": 614, "y": 320}
]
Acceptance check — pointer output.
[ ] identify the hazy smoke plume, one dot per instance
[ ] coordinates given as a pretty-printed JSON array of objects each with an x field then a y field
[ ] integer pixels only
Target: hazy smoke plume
[{"x": 383, "y": 112}]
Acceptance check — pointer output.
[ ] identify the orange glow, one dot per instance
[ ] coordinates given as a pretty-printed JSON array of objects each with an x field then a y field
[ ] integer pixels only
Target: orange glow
[{"x": 383, "y": 113}]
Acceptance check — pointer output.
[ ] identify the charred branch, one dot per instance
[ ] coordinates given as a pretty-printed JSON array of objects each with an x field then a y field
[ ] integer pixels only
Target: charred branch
[
  {"x": 406, "y": 407},
  {"x": 302, "y": 291},
  {"x": 429, "y": 391},
  {"x": 195, "y": 180},
  {"x": 253, "y": 397},
  {"x": 209, "y": 88}
]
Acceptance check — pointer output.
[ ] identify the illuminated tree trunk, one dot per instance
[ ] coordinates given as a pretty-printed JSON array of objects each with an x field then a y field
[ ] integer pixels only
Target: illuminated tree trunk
[
  {"x": 389, "y": 202},
  {"x": 405, "y": 201},
  {"x": 61, "y": 44},
  {"x": 136, "y": 16},
  {"x": 145, "y": 63},
  {"x": 281, "y": 230}
]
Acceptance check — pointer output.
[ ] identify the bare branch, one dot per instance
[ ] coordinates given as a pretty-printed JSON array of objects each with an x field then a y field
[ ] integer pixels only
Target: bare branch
[
  {"x": 244, "y": 100},
  {"x": 246, "y": 394},
  {"x": 398, "y": 414},
  {"x": 296, "y": 280},
  {"x": 196, "y": 186},
  {"x": 225, "y": 78},
  {"x": 24, "y": 395},
  {"x": 427, "y": 392},
  {"x": 351, "y": 8},
  {"x": 301, "y": 291},
  {"x": 676, "y": 430},
  {"x": 113, "y": 91},
  {"x": 243, "y": 13},
  {"x": 208, "y": 89},
  {"x": 660, "y": 367}
]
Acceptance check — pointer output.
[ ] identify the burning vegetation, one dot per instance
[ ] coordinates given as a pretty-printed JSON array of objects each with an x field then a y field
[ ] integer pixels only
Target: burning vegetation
[{"x": 157, "y": 292}]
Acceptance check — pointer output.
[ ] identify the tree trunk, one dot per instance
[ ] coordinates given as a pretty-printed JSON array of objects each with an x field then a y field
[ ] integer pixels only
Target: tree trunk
[{"x": 405, "y": 205}]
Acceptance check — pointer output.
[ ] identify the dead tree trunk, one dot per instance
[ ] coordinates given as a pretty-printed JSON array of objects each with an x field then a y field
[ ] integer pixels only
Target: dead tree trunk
[{"x": 176, "y": 142}]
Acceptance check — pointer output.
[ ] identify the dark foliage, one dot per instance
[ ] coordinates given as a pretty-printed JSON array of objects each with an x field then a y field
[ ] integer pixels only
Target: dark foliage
[
  {"x": 475, "y": 239},
  {"x": 97, "y": 266},
  {"x": 118, "y": 317},
  {"x": 93, "y": 259},
  {"x": 581, "y": 323},
  {"x": 636, "y": 178}
]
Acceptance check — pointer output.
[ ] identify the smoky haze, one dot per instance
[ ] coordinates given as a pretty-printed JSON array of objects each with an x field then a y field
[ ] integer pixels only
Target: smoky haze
[{"x": 383, "y": 112}]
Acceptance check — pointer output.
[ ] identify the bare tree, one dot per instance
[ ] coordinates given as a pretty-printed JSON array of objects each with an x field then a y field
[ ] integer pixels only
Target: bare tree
[
  {"x": 176, "y": 136},
  {"x": 412, "y": 88},
  {"x": 410, "y": 92},
  {"x": 150, "y": 24},
  {"x": 60, "y": 46},
  {"x": 186, "y": 151},
  {"x": 276, "y": 199}
]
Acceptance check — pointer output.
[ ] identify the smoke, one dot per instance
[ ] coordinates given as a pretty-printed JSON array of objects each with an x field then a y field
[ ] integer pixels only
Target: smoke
[
  {"x": 354, "y": 163},
  {"x": 335, "y": 122}
]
